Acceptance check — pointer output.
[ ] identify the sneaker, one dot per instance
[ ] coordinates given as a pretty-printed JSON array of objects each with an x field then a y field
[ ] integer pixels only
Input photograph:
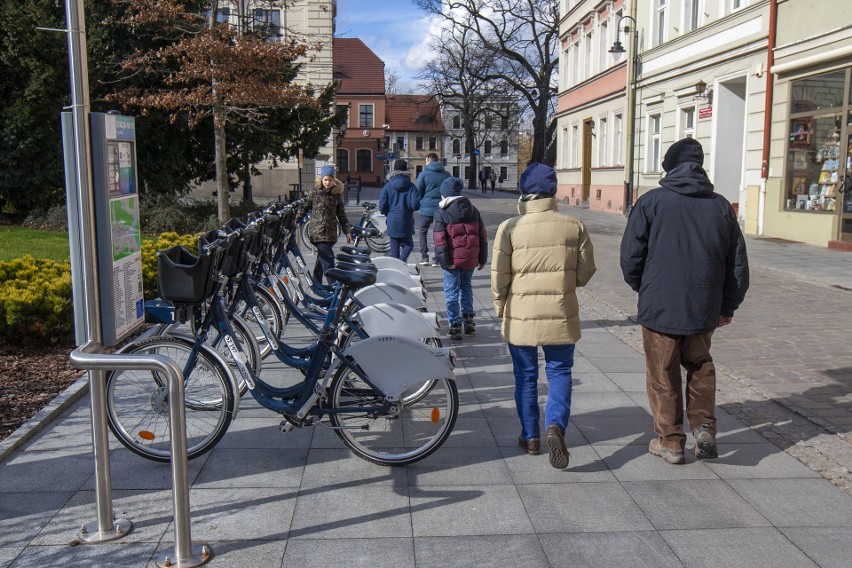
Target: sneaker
[
  {"x": 436, "y": 263},
  {"x": 424, "y": 261},
  {"x": 705, "y": 443},
  {"x": 559, "y": 455},
  {"x": 455, "y": 331},
  {"x": 655, "y": 449},
  {"x": 469, "y": 325}
]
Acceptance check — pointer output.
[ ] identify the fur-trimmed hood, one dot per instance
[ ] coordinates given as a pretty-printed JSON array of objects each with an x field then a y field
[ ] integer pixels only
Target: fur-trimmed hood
[{"x": 336, "y": 190}]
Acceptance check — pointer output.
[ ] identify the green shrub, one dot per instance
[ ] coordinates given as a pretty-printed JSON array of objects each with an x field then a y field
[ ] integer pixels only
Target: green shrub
[{"x": 35, "y": 301}]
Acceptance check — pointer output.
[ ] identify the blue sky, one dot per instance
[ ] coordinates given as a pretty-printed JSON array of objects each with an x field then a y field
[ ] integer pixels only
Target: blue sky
[{"x": 395, "y": 30}]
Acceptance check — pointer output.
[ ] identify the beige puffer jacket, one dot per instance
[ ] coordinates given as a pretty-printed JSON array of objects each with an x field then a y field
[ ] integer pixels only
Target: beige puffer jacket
[{"x": 538, "y": 261}]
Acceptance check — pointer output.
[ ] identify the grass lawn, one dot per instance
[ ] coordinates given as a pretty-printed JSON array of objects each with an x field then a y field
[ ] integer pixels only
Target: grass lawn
[{"x": 18, "y": 241}]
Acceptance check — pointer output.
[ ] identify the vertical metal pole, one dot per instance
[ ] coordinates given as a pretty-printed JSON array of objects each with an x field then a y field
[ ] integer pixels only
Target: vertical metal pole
[
  {"x": 105, "y": 528},
  {"x": 631, "y": 111}
]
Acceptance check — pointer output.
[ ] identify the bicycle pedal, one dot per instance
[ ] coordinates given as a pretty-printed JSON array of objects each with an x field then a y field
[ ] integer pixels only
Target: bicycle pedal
[{"x": 286, "y": 426}]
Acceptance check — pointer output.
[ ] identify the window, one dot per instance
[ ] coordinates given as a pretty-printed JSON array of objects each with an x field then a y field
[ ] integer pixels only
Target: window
[
  {"x": 617, "y": 139},
  {"x": 456, "y": 122},
  {"x": 655, "y": 127},
  {"x": 575, "y": 63},
  {"x": 455, "y": 171},
  {"x": 660, "y": 22},
  {"x": 399, "y": 146},
  {"x": 692, "y": 11},
  {"x": 268, "y": 23},
  {"x": 365, "y": 160},
  {"x": 343, "y": 110},
  {"x": 343, "y": 159},
  {"x": 603, "y": 46},
  {"x": 418, "y": 143},
  {"x": 736, "y": 4},
  {"x": 602, "y": 131},
  {"x": 365, "y": 114},
  {"x": 223, "y": 15},
  {"x": 504, "y": 148},
  {"x": 504, "y": 173},
  {"x": 433, "y": 142},
  {"x": 687, "y": 122},
  {"x": 588, "y": 63},
  {"x": 488, "y": 122},
  {"x": 566, "y": 147},
  {"x": 456, "y": 146},
  {"x": 504, "y": 122},
  {"x": 487, "y": 147},
  {"x": 575, "y": 146}
]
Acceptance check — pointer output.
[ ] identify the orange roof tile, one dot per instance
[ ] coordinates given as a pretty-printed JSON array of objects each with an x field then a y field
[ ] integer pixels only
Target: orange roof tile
[
  {"x": 359, "y": 70},
  {"x": 413, "y": 113}
]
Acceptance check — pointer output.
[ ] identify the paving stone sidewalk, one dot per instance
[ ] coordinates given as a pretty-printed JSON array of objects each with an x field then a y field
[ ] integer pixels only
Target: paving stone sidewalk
[{"x": 263, "y": 499}]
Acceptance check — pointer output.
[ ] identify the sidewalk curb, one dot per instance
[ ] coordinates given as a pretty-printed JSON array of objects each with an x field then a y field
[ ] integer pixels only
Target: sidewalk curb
[{"x": 44, "y": 417}]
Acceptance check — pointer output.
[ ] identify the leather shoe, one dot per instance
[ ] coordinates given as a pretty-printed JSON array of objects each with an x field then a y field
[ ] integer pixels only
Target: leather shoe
[
  {"x": 559, "y": 455},
  {"x": 531, "y": 446}
]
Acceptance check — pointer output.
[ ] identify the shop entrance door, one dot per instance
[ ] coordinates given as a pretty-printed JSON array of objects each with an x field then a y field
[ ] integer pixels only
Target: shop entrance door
[{"x": 845, "y": 187}]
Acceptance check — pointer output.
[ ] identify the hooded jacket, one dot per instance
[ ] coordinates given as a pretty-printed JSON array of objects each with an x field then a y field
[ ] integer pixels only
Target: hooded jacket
[
  {"x": 538, "y": 261},
  {"x": 429, "y": 185},
  {"x": 459, "y": 233},
  {"x": 398, "y": 201},
  {"x": 327, "y": 211},
  {"x": 683, "y": 251}
]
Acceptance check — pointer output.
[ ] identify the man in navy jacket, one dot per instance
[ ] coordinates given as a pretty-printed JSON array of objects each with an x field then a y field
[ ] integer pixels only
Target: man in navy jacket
[{"x": 684, "y": 253}]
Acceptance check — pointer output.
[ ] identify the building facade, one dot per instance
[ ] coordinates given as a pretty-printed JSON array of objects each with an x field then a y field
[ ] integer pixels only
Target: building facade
[{"x": 414, "y": 130}]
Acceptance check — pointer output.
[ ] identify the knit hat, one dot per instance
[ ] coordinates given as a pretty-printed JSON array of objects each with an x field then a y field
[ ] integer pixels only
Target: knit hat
[
  {"x": 400, "y": 166},
  {"x": 327, "y": 171},
  {"x": 451, "y": 187},
  {"x": 686, "y": 150},
  {"x": 538, "y": 179}
]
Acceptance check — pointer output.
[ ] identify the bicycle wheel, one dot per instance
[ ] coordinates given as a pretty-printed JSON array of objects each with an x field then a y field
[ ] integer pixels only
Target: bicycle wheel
[
  {"x": 138, "y": 401},
  {"x": 273, "y": 313},
  {"x": 406, "y": 432},
  {"x": 380, "y": 243},
  {"x": 305, "y": 238}
]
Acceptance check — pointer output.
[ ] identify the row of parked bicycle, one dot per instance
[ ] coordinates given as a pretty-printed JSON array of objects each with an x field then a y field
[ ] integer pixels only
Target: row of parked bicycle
[{"x": 374, "y": 370}]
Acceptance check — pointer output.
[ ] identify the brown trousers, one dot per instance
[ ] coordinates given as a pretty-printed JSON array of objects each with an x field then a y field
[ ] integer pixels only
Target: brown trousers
[{"x": 664, "y": 356}]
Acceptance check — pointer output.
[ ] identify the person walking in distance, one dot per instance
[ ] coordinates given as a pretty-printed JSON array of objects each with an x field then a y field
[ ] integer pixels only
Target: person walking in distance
[
  {"x": 429, "y": 185},
  {"x": 483, "y": 179},
  {"x": 399, "y": 200},
  {"x": 539, "y": 259},
  {"x": 492, "y": 177},
  {"x": 461, "y": 244},
  {"x": 683, "y": 251},
  {"x": 325, "y": 202}
]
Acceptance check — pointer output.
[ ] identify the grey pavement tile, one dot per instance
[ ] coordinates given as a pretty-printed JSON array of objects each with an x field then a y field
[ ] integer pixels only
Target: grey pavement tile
[
  {"x": 629, "y": 382},
  {"x": 53, "y": 470},
  {"x": 641, "y": 549},
  {"x": 71, "y": 433},
  {"x": 634, "y": 463},
  {"x": 797, "y": 502},
  {"x": 584, "y": 466},
  {"x": 478, "y": 550},
  {"x": 267, "y": 467},
  {"x": 606, "y": 404},
  {"x": 24, "y": 515},
  {"x": 582, "y": 507},
  {"x": 624, "y": 364},
  {"x": 352, "y": 512},
  {"x": 114, "y": 555},
  {"x": 471, "y": 432},
  {"x": 7, "y": 555},
  {"x": 351, "y": 552},
  {"x": 460, "y": 466},
  {"x": 735, "y": 547},
  {"x": 693, "y": 504},
  {"x": 619, "y": 430},
  {"x": 751, "y": 461},
  {"x": 589, "y": 382},
  {"x": 243, "y": 553},
  {"x": 248, "y": 432},
  {"x": 151, "y": 512},
  {"x": 235, "y": 514},
  {"x": 338, "y": 467},
  {"x": 733, "y": 431},
  {"x": 828, "y": 547},
  {"x": 468, "y": 510},
  {"x": 129, "y": 471},
  {"x": 596, "y": 350}
]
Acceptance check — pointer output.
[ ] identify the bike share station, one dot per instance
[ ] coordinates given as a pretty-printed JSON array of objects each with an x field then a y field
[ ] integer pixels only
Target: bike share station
[{"x": 106, "y": 270}]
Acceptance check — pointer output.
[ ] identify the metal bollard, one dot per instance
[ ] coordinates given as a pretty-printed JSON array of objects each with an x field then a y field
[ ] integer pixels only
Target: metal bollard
[{"x": 91, "y": 357}]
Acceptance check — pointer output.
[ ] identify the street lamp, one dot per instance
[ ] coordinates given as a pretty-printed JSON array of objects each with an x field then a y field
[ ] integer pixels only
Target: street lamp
[{"x": 632, "y": 67}]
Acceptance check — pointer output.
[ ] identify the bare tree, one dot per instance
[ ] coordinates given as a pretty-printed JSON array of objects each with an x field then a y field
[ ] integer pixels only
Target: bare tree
[
  {"x": 391, "y": 82},
  {"x": 523, "y": 38}
]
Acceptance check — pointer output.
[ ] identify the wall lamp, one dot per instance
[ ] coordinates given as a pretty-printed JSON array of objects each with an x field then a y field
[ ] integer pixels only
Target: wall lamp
[{"x": 702, "y": 91}]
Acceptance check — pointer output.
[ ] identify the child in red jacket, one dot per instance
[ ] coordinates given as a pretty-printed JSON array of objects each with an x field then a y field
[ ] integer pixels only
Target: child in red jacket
[{"x": 461, "y": 245}]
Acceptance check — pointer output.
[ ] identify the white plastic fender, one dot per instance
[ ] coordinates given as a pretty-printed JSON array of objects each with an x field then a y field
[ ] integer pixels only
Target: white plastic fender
[
  {"x": 416, "y": 279},
  {"x": 391, "y": 262},
  {"x": 397, "y": 320},
  {"x": 379, "y": 221},
  {"x": 395, "y": 277},
  {"x": 385, "y": 293},
  {"x": 395, "y": 364}
]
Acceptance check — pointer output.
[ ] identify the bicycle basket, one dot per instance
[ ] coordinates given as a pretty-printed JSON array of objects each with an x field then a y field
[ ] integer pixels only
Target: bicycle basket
[{"x": 182, "y": 277}]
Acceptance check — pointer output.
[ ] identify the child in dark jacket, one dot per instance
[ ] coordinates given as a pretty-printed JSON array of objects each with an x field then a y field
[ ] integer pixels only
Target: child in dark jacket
[
  {"x": 461, "y": 245},
  {"x": 399, "y": 200}
]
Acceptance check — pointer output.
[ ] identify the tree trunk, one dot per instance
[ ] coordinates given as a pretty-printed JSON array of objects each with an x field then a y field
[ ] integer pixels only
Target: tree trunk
[{"x": 223, "y": 192}]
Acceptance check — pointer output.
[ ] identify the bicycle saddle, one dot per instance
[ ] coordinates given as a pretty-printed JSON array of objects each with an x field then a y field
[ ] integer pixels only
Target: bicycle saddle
[
  {"x": 351, "y": 278},
  {"x": 368, "y": 205},
  {"x": 354, "y": 259},
  {"x": 343, "y": 265},
  {"x": 365, "y": 232},
  {"x": 355, "y": 250}
]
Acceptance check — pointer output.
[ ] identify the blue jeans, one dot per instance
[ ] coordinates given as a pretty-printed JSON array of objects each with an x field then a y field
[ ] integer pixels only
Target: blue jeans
[
  {"x": 559, "y": 361},
  {"x": 404, "y": 243},
  {"x": 458, "y": 293},
  {"x": 423, "y": 225},
  {"x": 325, "y": 260}
]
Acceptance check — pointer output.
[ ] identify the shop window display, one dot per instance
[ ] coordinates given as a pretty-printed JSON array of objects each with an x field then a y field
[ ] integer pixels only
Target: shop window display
[{"x": 814, "y": 163}]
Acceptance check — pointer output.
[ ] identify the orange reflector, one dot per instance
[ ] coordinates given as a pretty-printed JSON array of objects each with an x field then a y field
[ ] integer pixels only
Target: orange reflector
[
  {"x": 146, "y": 435},
  {"x": 436, "y": 415}
]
